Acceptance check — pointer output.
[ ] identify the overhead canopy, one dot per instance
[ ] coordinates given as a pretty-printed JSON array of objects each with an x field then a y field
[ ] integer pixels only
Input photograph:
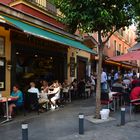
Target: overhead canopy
[
  {"x": 38, "y": 31},
  {"x": 134, "y": 55}
]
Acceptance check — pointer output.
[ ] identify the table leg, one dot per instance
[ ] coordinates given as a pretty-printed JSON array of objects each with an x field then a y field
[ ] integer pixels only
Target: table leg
[
  {"x": 69, "y": 96},
  {"x": 7, "y": 114}
]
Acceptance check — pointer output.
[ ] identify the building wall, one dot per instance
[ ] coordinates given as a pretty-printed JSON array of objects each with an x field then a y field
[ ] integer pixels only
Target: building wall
[
  {"x": 75, "y": 52},
  {"x": 6, "y": 35},
  {"x": 39, "y": 14},
  {"x": 6, "y": 1}
]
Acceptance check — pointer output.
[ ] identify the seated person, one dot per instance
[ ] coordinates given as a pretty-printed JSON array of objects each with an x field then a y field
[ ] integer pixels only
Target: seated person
[
  {"x": 73, "y": 88},
  {"x": 65, "y": 89},
  {"x": 18, "y": 95},
  {"x": 43, "y": 95},
  {"x": 81, "y": 88},
  {"x": 44, "y": 86},
  {"x": 56, "y": 92},
  {"x": 135, "y": 93},
  {"x": 33, "y": 89},
  {"x": 126, "y": 81},
  {"x": 119, "y": 85},
  {"x": 135, "y": 81}
]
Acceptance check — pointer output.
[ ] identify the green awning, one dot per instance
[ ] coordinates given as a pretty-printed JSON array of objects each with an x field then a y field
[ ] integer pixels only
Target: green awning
[{"x": 48, "y": 35}]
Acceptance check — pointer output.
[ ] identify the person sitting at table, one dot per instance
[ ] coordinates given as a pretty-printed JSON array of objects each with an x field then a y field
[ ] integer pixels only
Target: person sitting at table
[
  {"x": 134, "y": 82},
  {"x": 18, "y": 95},
  {"x": 65, "y": 90},
  {"x": 33, "y": 89},
  {"x": 54, "y": 89},
  {"x": 73, "y": 88},
  {"x": 44, "y": 86},
  {"x": 126, "y": 81},
  {"x": 43, "y": 100},
  {"x": 118, "y": 85},
  {"x": 135, "y": 93}
]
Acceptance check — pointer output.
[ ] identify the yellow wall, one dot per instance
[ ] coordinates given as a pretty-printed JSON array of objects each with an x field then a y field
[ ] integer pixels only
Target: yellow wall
[
  {"x": 6, "y": 34},
  {"x": 75, "y": 53}
]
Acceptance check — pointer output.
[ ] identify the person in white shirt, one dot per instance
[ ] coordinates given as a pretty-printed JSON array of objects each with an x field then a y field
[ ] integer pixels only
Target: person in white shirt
[
  {"x": 103, "y": 81},
  {"x": 56, "y": 92},
  {"x": 33, "y": 89},
  {"x": 103, "y": 77},
  {"x": 116, "y": 76}
]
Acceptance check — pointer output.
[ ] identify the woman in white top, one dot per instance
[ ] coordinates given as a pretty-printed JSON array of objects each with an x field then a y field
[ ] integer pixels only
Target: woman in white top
[{"x": 56, "y": 92}]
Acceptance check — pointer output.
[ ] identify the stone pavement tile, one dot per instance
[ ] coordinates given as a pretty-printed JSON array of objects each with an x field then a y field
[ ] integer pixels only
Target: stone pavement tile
[
  {"x": 62, "y": 124},
  {"x": 96, "y": 121}
]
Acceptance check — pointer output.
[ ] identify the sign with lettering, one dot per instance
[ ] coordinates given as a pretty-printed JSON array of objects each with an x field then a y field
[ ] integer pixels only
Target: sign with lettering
[
  {"x": 2, "y": 73},
  {"x": 72, "y": 66}
]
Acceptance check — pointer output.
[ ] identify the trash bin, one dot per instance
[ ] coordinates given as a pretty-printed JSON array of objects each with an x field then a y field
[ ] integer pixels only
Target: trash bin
[{"x": 104, "y": 114}]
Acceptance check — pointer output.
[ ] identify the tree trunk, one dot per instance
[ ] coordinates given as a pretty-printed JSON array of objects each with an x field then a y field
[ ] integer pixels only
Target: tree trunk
[{"x": 98, "y": 86}]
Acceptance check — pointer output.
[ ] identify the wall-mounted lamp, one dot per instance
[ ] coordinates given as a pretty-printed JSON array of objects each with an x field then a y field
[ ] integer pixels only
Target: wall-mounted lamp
[
  {"x": 17, "y": 53},
  {"x": 36, "y": 55}
]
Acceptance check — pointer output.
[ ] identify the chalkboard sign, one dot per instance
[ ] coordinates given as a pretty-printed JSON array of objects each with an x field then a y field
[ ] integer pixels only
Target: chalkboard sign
[
  {"x": 2, "y": 73},
  {"x": 72, "y": 67}
]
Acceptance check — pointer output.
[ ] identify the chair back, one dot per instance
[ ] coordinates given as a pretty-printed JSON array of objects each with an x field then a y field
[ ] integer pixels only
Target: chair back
[
  {"x": 104, "y": 96},
  {"x": 32, "y": 101},
  {"x": 117, "y": 89}
]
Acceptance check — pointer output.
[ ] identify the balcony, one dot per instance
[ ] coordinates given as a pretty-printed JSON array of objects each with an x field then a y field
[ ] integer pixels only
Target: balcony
[{"x": 43, "y": 4}]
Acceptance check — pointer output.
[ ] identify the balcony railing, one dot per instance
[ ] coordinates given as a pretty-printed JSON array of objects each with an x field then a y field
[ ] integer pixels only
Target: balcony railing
[{"x": 45, "y": 5}]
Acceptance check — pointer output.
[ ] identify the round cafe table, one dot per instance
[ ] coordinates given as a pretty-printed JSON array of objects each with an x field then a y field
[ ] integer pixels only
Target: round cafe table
[{"x": 6, "y": 100}]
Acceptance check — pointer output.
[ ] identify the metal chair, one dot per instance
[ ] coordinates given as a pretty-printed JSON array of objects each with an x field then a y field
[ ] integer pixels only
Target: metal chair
[
  {"x": 105, "y": 99},
  {"x": 118, "y": 96},
  {"x": 31, "y": 101},
  {"x": 135, "y": 103}
]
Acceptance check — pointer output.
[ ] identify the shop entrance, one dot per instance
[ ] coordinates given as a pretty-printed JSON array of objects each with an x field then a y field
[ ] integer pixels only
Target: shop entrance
[
  {"x": 38, "y": 64},
  {"x": 81, "y": 68}
]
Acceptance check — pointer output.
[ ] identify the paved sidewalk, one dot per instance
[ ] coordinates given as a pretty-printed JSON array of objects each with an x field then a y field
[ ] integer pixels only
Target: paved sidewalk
[{"x": 62, "y": 124}]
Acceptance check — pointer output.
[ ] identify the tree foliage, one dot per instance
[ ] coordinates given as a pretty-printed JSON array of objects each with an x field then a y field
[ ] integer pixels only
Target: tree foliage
[
  {"x": 96, "y": 15},
  {"x": 101, "y": 16}
]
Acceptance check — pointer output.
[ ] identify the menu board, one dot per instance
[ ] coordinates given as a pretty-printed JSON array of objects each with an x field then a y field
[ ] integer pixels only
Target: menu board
[
  {"x": 72, "y": 66},
  {"x": 2, "y": 73}
]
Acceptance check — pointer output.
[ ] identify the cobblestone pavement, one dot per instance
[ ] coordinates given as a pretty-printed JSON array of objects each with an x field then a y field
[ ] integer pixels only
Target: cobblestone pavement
[{"x": 62, "y": 124}]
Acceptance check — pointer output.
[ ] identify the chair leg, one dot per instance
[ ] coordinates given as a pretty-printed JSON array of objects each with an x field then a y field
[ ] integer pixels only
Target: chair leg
[
  {"x": 130, "y": 111},
  {"x": 108, "y": 105},
  {"x": 114, "y": 105}
]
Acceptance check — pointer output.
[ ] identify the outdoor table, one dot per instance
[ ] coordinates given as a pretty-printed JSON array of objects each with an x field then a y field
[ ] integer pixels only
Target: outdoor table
[{"x": 6, "y": 100}]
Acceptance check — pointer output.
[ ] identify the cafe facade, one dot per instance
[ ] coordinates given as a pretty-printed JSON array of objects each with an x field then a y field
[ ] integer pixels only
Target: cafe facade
[{"x": 34, "y": 50}]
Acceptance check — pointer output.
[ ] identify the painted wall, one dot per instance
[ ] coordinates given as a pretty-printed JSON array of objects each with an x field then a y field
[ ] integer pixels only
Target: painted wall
[
  {"x": 39, "y": 14},
  {"x": 6, "y": 34},
  {"x": 75, "y": 52},
  {"x": 6, "y": 1}
]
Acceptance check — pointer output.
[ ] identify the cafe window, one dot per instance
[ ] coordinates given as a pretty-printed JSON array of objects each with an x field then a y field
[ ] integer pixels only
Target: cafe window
[{"x": 2, "y": 46}]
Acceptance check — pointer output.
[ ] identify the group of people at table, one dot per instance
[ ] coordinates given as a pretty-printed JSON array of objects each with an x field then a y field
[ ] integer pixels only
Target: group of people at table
[
  {"x": 50, "y": 94},
  {"x": 47, "y": 94},
  {"x": 129, "y": 86}
]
